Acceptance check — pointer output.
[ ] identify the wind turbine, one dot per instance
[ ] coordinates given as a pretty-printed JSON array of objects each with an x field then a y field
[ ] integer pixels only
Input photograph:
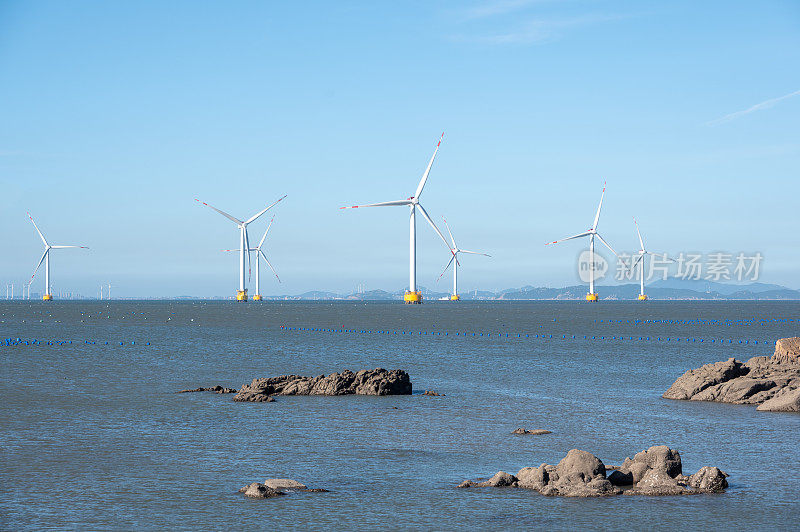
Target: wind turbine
[
  {"x": 46, "y": 259},
  {"x": 591, "y": 233},
  {"x": 412, "y": 295},
  {"x": 260, "y": 253},
  {"x": 640, "y": 258},
  {"x": 244, "y": 243},
  {"x": 454, "y": 261}
]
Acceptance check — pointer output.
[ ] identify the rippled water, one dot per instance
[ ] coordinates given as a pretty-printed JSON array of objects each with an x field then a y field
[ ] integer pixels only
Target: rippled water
[{"x": 93, "y": 435}]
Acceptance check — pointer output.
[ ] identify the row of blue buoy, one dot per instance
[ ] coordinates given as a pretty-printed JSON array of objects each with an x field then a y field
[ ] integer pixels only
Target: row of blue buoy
[
  {"x": 730, "y": 323},
  {"x": 10, "y": 342},
  {"x": 535, "y": 336}
]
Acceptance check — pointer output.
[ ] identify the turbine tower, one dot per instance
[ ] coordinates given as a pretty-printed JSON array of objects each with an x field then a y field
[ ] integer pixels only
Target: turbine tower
[
  {"x": 244, "y": 243},
  {"x": 412, "y": 295},
  {"x": 591, "y": 233},
  {"x": 260, "y": 253},
  {"x": 454, "y": 261},
  {"x": 640, "y": 259},
  {"x": 46, "y": 259}
]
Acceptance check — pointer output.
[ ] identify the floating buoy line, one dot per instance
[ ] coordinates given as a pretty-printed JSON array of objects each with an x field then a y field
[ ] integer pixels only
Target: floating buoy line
[
  {"x": 539, "y": 336},
  {"x": 12, "y": 342}
]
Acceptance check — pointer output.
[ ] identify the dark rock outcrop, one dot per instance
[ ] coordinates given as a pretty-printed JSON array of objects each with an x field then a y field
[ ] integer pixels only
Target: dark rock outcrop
[
  {"x": 655, "y": 471},
  {"x": 534, "y": 432},
  {"x": 364, "y": 382},
  {"x": 772, "y": 382},
  {"x": 216, "y": 389}
]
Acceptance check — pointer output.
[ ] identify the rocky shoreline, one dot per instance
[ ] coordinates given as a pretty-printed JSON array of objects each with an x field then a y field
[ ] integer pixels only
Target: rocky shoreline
[
  {"x": 655, "y": 471},
  {"x": 772, "y": 383}
]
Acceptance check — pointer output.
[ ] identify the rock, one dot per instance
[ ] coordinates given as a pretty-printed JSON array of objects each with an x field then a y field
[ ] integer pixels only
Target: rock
[
  {"x": 284, "y": 484},
  {"x": 217, "y": 389},
  {"x": 365, "y": 382},
  {"x": 757, "y": 382},
  {"x": 787, "y": 351},
  {"x": 656, "y": 471},
  {"x": 709, "y": 479},
  {"x": 535, "y": 432},
  {"x": 500, "y": 479},
  {"x": 695, "y": 381},
  {"x": 432, "y": 393},
  {"x": 315, "y": 490},
  {"x": 658, "y": 482},
  {"x": 257, "y": 490},
  {"x": 787, "y": 401}
]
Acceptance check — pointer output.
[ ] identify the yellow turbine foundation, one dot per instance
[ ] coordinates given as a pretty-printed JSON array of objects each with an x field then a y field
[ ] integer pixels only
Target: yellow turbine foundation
[
  {"x": 257, "y": 297},
  {"x": 412, "y": 298},
  {"x": 642, "y": 297},
  {"x": 241, "y": 295},
  {"x": 455, "y": 297},
  {"x": 591, "y": 297},
  {"x": 47, "y": 297}
]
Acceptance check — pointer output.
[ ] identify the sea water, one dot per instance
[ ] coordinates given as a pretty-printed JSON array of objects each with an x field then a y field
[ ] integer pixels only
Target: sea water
[{"x": 93, "y": 435}]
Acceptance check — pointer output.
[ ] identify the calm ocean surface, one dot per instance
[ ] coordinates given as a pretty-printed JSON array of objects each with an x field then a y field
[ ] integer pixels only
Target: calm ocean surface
[{"x": 94, "y": 437}]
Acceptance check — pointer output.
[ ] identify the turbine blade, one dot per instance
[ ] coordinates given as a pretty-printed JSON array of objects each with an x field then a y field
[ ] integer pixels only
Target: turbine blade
[
  {"x": 255, "y": 216},
  {"x": 427, "y": 170},
  {"x": 597, "y": 216},
  {"x": 641, "y": 242},
  {"x": 633, "y": 265},
  {"x": 425, "y": 214},
  {"x": 473, "y": 252},
  {"x": 37, "y": 229},
  {"x": 40, "y": 263},
  {"x": 446, "y": 268},
  {"x": 568, "y": 238},
  {"x": 223, "y": 213},
  {"x": 450, "y": 233},
  {"x": 270, "y": 265},
  {"x": 606, "y": 244},
  {"x": 64, "y": 247},
  {"x": 265, "y": 233},
  {"x": 663, "y": 255},
  {"x": 383, "y": 204}
]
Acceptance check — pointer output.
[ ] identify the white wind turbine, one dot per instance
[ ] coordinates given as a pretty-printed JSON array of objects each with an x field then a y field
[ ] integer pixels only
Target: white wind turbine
[
  {"x": 640, "y": 259},
  {"x": 413, "y": 295},
  {"x": 244, "y": 243},
  {"x": 46, "y": 259},
  {"x": 454, "y": 261},
  {"x": 260, "y": 253},
  {"x": 591, "y": 233}
]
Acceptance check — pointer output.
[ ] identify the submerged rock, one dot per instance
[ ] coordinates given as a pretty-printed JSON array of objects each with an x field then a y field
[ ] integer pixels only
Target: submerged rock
[
  {"x": 364, "y": 382},
  {"x": 257, "y": 490},
  {"x": 655, "y": 471},
  {"x": 758, "y": 381},
  {"x": 432, "y": 393},
  {"x": 216, "y": 389},
  {"x": 284, "y": 484},
  {"x": 535, "y": 432}
]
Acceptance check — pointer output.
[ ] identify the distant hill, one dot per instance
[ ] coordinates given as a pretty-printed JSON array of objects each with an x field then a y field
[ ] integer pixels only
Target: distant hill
[{"x": 672, "y": 289}]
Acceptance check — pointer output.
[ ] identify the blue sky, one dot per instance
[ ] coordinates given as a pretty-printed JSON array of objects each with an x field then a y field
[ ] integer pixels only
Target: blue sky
[{"x": 114, "y": 116}]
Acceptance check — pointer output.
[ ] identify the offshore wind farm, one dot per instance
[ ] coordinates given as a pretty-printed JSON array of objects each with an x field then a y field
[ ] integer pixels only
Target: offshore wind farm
[{"x": 340, "y": 368}]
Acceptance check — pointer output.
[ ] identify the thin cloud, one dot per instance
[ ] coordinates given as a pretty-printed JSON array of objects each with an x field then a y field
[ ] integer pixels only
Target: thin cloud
[
  {"x": 536, "y": 31},
  {"x": 757, "y": 107},
  {"x": 500, "y": 7}
]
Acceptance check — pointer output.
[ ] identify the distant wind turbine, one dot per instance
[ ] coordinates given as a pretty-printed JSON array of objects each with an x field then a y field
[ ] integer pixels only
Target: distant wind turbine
[
  {"x": 244, "y": 243},
  {"x": 455, "y": 250},
  {"x": 640, "y": 260},
  {"x": 413, "y": 295},
  {"x": 260, "y": 253},
  {"x": 591, "y": 233},
  {"x": 46, "y": 259}
]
